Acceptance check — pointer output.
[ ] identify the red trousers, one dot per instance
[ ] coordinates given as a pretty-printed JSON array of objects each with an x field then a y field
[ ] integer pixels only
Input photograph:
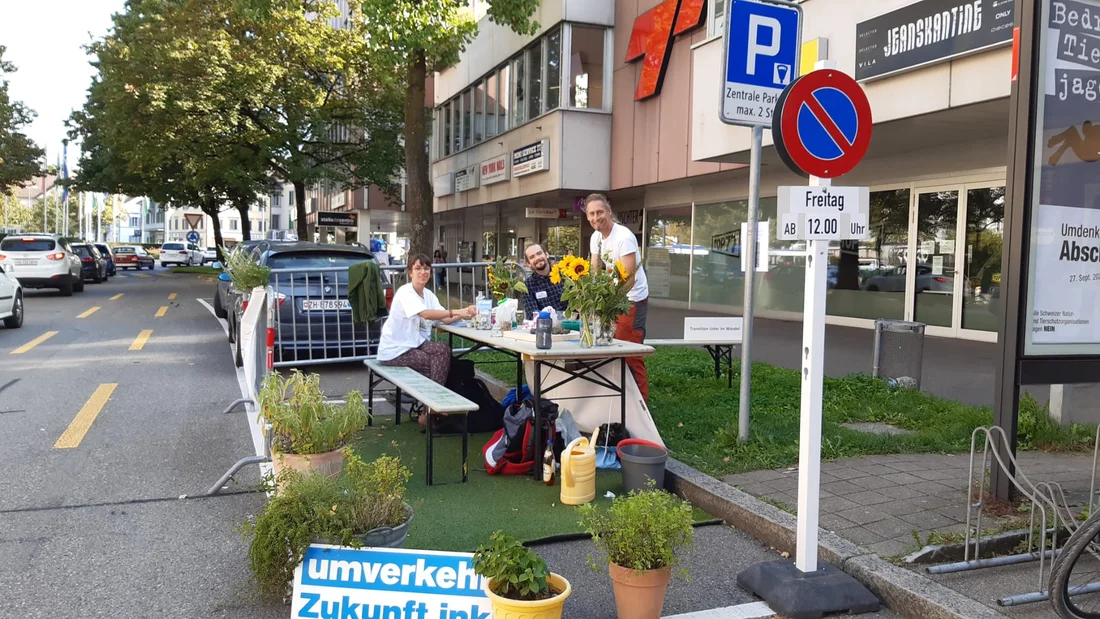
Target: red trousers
[{"x": 631, "y": 328}]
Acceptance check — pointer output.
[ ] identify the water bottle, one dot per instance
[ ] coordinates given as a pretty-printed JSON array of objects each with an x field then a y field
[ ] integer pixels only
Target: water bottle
[
  {"x": 544, "y": 331},
  {"x": 484, "y": 311}
]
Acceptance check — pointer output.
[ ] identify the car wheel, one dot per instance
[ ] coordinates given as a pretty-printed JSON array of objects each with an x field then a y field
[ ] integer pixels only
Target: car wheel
[
  {"x": 232, "y": 331},
  {"x": 164, "y": 265},
  {"x": 78, "y": 285},
  {"x": 67, "y": 287},
  {"x": 238, "y": 359},
  {"x": 219, "y": 311},
  {"x": 151, "y": 265},
  {"x": 16, "y": 319}
]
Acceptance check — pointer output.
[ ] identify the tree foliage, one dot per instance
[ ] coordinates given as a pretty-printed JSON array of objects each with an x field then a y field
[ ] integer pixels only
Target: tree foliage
[{"x": 19, "y": 156}]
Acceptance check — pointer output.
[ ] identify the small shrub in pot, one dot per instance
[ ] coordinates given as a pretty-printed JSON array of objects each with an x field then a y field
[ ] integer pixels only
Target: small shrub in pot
[{"x": 520, "y": 585}]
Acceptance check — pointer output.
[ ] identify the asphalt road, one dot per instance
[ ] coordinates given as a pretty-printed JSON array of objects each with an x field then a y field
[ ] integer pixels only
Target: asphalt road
[
  {"x": 105, "y": 450},
  {"x": 91, "y": 519}
]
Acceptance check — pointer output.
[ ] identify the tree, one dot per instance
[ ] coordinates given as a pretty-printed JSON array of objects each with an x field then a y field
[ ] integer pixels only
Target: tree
[
  {"x": 19, "y": 156},
  {"x": 32, "y": 218},
  {"x": 415, "y": 37}
]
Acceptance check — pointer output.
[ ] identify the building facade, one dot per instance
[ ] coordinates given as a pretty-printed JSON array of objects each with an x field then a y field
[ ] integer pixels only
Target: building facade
[{"x": 937, "y": 73}]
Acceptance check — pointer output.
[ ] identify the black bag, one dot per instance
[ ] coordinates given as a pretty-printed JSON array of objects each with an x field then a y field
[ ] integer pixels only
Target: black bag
[
  {"x": 612, "y": 434},
  {"x": 489, "y": 417}
]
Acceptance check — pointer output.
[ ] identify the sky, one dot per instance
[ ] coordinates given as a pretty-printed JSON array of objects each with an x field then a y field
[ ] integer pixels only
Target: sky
[{"x": 45, "y": 41}]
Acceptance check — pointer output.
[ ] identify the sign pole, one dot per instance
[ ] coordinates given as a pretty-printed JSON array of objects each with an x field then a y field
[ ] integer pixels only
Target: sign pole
[
  {"x": 813, "y": 371},
  {"x": 748, "y": 256}
]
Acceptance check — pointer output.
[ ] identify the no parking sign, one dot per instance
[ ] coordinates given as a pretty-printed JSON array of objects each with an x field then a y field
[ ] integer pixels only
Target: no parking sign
[{"x": 822, "y": 124}]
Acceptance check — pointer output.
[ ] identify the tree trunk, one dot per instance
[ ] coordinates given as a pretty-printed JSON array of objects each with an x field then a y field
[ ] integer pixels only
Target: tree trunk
[
  {"x": 246, "y": 223},
  {"x": 300, "y": 209},
  {"x": 210, "y": 207},
  {"x": 418, "y": 195}
]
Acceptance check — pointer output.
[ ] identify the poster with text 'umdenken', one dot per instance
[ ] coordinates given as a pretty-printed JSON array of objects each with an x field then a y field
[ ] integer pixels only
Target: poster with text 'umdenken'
[{"x": 1064, "y": 290}]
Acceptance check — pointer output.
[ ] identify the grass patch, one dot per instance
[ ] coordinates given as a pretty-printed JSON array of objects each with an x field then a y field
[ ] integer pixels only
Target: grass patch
[
  {"x": 461, "y": 517},
  {"x": 697, "y": 416},
  {"x": 204, "y": 272}
]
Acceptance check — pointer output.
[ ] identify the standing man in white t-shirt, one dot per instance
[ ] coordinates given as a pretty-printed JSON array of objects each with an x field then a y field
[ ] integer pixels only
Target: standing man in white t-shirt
[{"x": 613, "y": 242}]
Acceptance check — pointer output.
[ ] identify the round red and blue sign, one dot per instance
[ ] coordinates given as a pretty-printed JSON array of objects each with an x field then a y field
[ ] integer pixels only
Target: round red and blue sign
[{"x": 822, "y": 124}]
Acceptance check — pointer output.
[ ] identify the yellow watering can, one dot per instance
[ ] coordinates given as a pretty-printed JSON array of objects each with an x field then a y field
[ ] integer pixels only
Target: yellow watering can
[{"x": 578, "y": 471}]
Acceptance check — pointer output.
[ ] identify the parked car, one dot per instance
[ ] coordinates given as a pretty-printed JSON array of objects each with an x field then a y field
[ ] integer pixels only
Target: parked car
[
  {"x": 313, "y": 315},
  {"x": 105, "y": 251},
  {"x": 133, "y": 257},
  {"x": 210, "y": 254},
  {"x": 11, "y": 300},
  {"x": 42, "y": 261},
  {"x": 180, "y": 253},
  {"x": 93, "y": 265}
]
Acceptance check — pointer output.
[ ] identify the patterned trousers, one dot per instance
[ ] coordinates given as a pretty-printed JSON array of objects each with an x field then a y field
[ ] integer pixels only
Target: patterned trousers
[{"x": 432, "y": 359}]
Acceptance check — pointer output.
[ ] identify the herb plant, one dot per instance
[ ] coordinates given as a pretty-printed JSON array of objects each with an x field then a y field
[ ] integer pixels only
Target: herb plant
[
  {"x": 302, "y": 421},
  {"x": 517, "y": 572},
  {"x": 243, "y": 270},
  {"x": 641, "y": 531}
]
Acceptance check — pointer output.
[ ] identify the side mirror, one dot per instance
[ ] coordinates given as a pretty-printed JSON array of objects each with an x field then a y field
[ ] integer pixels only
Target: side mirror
[
  {"x": 217, "y": 265},
  {"x": 224, "y": 277}
]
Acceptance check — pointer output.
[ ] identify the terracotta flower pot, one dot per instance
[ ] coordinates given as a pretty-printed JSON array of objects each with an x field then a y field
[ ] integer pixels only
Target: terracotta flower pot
[
  {"x": 330, "y": 464},
  {"x": 639, "y": 595},
  {"x": 504, "y": 608}
]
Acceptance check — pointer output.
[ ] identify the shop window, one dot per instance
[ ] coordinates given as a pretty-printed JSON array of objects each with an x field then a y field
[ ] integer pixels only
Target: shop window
[
  {"x": 866, "y": 278},
  {"x": 553, "y": 70},
  {"x": 937, "y": 218},
  {"x": 479, "y": 112},
  {"x": 519, "y": 86},
  {"x": 985, "y": 215},
  {"x": 586, "y": 67},
  {"x": 718, "y": 21},
  {"x": 534, "y": 80},
  {"x": 563, "y": 240},
  {"x": 489, "y": 246},
  {"x": 504, "y": 99},
  {"x": 668, "y": 253},
  {"x": 492, "y": 105}
]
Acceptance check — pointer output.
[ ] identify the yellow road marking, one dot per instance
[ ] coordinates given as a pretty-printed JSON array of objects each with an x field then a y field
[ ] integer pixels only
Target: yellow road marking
[
  {"x": 89, "y": 312},
  {"x": 143, "y": 275},
  {"x": 83, "y": 420},
  {"x": 162, "y": 311},
  {"x": 117, "y": 296},
  {"x": 171, "y": 296},
  {"x": 35, "y": 342},
  {"x": 142, "y": 337}
]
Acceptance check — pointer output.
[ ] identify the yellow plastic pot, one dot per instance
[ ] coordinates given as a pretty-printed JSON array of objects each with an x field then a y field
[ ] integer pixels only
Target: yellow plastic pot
[{"x": 504, "y": 608}]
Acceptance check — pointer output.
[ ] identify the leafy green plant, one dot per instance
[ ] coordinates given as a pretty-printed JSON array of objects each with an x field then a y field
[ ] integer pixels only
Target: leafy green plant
[
  {"x": 375, "y": 491},
  {"x": 641, "y": 531},
  {"x": 517, "y": 572},
  {"x": 243, "y": 270},
  {"x": 302, "y": 422}
]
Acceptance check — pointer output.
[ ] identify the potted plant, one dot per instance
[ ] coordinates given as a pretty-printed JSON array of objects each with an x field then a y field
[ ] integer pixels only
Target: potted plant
[
  {"x": 243, "y": 270},
  {"x": 364, "y": 507},
  {"x": 519, "y": 584},
  {"x": 642, "y": 534},
  {"x": 307, "y": 432},
  {"x": 598, "y": 296}
]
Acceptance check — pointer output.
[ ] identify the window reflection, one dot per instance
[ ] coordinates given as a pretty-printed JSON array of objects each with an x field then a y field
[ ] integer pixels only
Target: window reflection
[
  {"x": 985, "y": 211},
  {"x": 867, "y": 278},
  {"x": 668, "y": 250}
]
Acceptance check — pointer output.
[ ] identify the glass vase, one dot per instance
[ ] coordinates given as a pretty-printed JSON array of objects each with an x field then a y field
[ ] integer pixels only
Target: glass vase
[
  {"x": 589, "y": 323},
  {"x": 605, "y": 334}
]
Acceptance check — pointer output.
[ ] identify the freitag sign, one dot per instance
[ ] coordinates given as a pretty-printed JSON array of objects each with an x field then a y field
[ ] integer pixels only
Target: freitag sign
[{"x": 652, "y": 38}]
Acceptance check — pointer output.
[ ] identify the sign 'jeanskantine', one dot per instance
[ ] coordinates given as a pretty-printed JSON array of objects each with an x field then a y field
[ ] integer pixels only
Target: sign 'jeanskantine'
[{"x": 929, "y": 32}]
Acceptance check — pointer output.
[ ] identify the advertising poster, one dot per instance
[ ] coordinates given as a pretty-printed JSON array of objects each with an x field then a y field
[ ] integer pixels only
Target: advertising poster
[{"x": 1064, "y": 287}]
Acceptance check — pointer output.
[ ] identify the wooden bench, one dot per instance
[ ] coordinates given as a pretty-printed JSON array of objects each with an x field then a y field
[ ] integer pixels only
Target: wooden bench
[{"x": 435, "y": 397}]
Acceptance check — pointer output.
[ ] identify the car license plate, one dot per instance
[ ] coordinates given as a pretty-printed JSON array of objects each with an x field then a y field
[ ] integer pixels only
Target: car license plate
[
  {"x": 311, "y": 305},
  {"x": 26, "y": 263}
]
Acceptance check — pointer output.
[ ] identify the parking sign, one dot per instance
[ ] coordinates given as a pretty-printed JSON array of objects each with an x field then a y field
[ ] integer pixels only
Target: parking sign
[{"x": 763, "y": 39}]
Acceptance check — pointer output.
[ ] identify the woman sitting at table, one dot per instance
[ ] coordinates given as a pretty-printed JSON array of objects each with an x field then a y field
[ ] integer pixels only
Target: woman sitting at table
[{"x": 406, "y": 335}]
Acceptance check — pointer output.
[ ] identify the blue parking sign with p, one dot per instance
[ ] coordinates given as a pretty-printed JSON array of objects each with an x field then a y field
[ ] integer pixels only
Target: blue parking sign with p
[{"x": 763, "y": 40}]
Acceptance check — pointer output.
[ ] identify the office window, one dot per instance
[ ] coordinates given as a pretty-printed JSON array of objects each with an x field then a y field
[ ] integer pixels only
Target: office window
[
  {"x": 553, "y": 70},
  {"x": 447, "y": 135},
  {"x": 534, "y": 80},
  {"x": 135, "y": 222},
  {"x": 467, "y": 114},
  {"x": 504, "y": 99},
  {"x": 718, "y": 22},
  {"x": 586, "y": 68},
  {"x": 292, "y": 202},
  {"x": 277, "y": 199},
  {"x": 519, "y": 86},
  {"x": 234, "y": 224},
  {"x": 479, "y": 112},
  {"x": 492, "y": 104}
]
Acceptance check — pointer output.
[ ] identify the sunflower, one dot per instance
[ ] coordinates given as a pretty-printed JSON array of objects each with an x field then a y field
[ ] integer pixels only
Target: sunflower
[
  {"x": 578, "y": 268},
  {"x": 623, "y": 275},
  {"x": 555, "y": 274},
  {"x": 565, "y": 263}
]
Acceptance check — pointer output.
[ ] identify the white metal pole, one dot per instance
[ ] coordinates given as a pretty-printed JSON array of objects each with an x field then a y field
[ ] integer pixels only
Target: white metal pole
[{"x": 748, "y": 257}]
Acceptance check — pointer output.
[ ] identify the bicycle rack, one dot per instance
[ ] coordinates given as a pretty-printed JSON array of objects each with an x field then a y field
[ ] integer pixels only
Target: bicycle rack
[{"x": 1043, "y": 496}]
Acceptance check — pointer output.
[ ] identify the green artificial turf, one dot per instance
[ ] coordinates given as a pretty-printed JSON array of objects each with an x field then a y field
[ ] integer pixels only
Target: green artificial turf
[
  {"x": 461, "y": 517},
  {"x": 696, "y": 415}
]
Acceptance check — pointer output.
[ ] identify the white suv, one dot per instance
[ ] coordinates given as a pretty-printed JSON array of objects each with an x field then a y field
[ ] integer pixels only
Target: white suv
[
  {"x": 42, "y": 261},
  {"x": 180, "y": 253}
]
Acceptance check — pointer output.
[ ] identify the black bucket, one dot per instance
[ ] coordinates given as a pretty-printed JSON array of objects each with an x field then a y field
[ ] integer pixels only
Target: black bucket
[{"x": 642, "y": 461}]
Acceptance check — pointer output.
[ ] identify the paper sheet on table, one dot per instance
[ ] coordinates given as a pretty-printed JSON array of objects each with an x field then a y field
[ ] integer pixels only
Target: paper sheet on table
[{"x": 590, "y": 411}]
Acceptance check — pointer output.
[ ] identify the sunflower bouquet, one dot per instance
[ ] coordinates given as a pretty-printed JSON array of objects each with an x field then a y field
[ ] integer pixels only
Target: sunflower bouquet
[
  {"x": 598, "y": 296},
  {"x": 505, "y": 280}
]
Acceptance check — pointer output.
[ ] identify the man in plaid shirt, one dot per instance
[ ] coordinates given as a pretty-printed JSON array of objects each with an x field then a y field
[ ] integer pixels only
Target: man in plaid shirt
[{"x": 540, "y": 291}]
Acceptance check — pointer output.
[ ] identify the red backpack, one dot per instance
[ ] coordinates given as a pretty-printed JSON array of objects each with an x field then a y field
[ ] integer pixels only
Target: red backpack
[{"x": 511, "y": 450}]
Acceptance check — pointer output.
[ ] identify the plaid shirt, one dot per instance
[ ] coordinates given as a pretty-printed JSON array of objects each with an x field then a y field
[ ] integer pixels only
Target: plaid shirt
[{"x": 541, "y": 283}]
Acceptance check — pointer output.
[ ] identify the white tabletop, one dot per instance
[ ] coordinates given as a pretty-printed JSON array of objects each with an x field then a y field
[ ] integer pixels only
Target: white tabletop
[{"x": 559, "y": 350}]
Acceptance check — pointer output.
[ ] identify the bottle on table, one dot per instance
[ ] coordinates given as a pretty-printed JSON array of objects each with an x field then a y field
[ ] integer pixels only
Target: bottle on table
[
  {"x": 548, "y": 463},
  {"x": 544, "y": 331},
  {"x": 484, "y": 311}
]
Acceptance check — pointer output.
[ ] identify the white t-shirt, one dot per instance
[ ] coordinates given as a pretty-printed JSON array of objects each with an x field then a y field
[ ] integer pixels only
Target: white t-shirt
[
  {"x": 619, "y": 243},
  {"x": 404, "y": 328}
]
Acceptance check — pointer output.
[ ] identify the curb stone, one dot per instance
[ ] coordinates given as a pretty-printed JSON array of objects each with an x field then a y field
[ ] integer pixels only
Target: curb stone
[{"x": 906, "y": 593}]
